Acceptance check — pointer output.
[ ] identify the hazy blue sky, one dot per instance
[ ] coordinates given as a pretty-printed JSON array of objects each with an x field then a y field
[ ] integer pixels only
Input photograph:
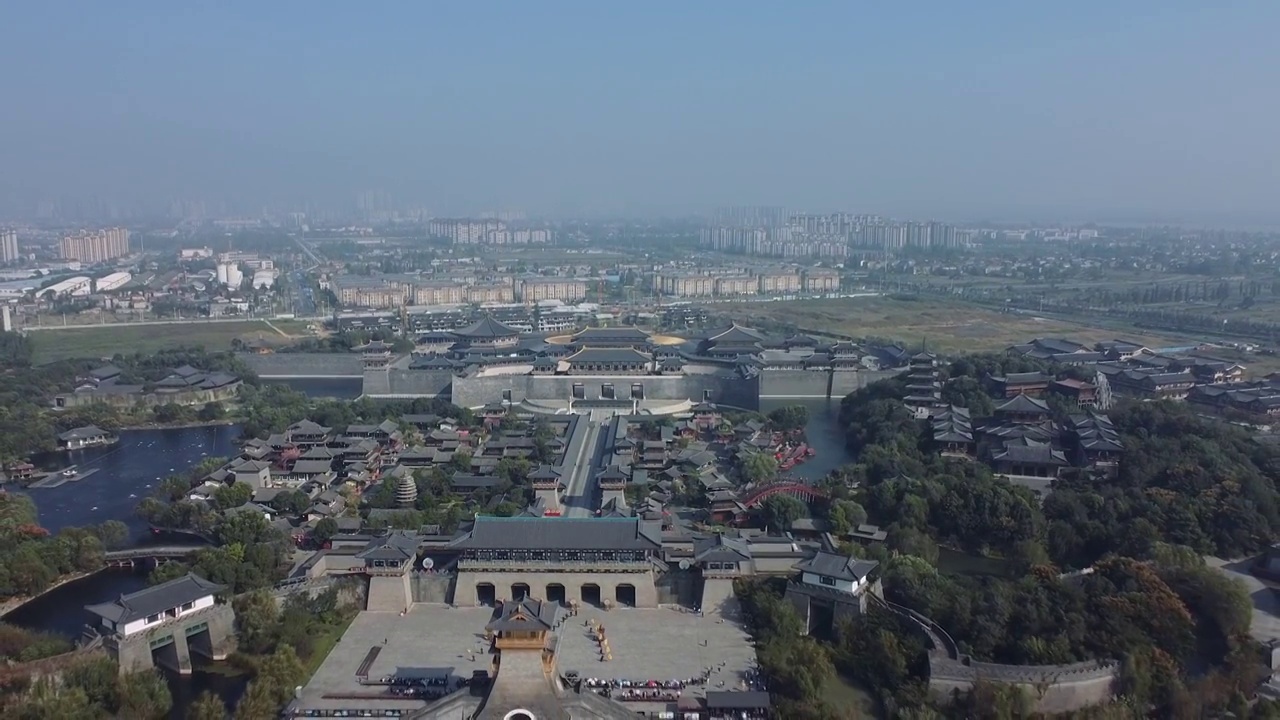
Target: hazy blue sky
[{"x": 948, "y": 109}]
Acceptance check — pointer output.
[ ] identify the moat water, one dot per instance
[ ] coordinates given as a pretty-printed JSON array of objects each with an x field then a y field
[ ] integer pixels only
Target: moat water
[
  {"x": 122, "y": 475},
  {"x": 61, "y": 611}
]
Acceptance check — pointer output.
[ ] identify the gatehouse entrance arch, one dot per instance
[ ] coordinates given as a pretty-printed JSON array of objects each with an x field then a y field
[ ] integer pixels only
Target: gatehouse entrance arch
[
  {"x": 486, "y": 594},
  {"x": 519, "y": 591},
  {"x": 591, "y": 595},
  {"x": 556, "y": 594},
  {"x": 625, "y": 594}
]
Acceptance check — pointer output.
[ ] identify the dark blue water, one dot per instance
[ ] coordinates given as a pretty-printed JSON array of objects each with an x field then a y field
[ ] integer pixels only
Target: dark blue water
[
  {"x": 125, "y": 473},
  {"x": 823, "y": 434}
]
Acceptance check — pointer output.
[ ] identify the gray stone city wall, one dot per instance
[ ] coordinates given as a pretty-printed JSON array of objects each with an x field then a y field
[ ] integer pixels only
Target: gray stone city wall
[
  {"x": 678, "y": 587},
  {"x": 418, "y": 383},
  {"x": 430, "y": 588},
  {"x": 351, "y": 589},
  {"x": 305, "y": 364},
  {"x": 465, "y": 592},
  {"x": 727, "y": 390},
  {"x": 389, "y": 593},
  {"x": 183, "y": 397},
  {"x": 814, "y": 383},
  {"x": 718, "y": 596},
  {"x": 1055, "y": 689}
]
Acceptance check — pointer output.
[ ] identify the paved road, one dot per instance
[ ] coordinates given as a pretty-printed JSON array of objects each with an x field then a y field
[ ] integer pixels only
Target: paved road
[
  {"x": 580, "y": 466},
  {"x": 1266, "y": 605}
]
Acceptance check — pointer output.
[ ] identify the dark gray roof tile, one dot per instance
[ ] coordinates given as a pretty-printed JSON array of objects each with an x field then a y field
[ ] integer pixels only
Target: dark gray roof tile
[
  {"x": 155, "y": 600},
  {"x": 495, "y": 533}
]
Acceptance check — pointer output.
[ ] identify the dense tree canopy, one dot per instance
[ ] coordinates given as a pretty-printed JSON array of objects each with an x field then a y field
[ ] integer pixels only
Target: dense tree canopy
[
  {"x": 1187, "y": 486},
  {"x": 789, "y": 418},
  {"x": 31, "y": 559}
]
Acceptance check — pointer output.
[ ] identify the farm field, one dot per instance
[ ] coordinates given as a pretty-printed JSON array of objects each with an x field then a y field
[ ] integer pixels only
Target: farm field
[
  {"x": 949, "y": 326},
  {"x": 108, "y": 340}
]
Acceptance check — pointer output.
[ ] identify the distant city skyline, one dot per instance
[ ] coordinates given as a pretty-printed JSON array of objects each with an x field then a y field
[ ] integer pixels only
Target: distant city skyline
[{"x": 1132, "y": 112}]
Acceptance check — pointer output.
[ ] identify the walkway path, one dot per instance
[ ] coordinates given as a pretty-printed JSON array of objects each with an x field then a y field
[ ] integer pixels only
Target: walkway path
[
  {"x": 580, "y": 467},
  {"x": 1266, "y": 604}
]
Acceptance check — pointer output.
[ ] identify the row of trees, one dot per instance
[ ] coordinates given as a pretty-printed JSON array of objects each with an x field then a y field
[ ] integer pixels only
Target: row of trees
[
  {"x": 250, "y": 555},
  {"x": 797, "y": 667},
  {"x": 94, "y": 689},
  {"x": 272, "y": 408},
  {"x": 276, "y": 646},
  {"x": 32, "y": 559}
]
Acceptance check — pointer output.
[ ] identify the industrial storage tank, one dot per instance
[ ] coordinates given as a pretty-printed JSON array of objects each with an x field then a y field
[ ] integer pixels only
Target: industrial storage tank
[
  {"x": 234, "y": 276},
  {"x": 222, "y": 273}
]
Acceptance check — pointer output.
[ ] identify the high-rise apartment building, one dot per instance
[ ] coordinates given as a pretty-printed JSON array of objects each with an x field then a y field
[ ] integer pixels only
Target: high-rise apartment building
[
  {"x": 751, "y": 216},
  {"x": 95, "y": 246},
  {"x": 8, "y": 246}
]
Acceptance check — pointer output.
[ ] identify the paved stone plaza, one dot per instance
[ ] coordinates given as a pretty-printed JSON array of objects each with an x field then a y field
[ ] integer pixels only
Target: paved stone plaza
[
  {"x": 437, "y": 640},
  {"x": 431, "y": 641},
  {"x": 661, "y": 644}
]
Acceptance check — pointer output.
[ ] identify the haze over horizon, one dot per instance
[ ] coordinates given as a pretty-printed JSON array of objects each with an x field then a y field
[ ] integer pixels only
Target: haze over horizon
[{"x": 1141, "y": 111}]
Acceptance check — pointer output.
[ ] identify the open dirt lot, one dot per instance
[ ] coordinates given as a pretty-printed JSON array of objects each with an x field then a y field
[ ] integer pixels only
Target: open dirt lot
[{"x": 945, "y": 326}]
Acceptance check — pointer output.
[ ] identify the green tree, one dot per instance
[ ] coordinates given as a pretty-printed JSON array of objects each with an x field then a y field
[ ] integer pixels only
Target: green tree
[
  {"x": 759, "y": 467},
  {"x": 165, "y": 572},
  {"x": 257, "y": 703},
  {"x": 242, "y": 528},
  {"x": 845, "y": 515},
  {"x": 512, "y": 470},
  {"x": 88, "y": 553},
  {"x": 790, "y": 417},
  {"x": 233, "y": 495},
  {"x": 291, "y": 502},
  {"x": 256, "y": 617},
  {"x": 779, "y": 511},
  {"x": 144, "y": 695},
  {"x": 98, "y": 678},
  {"x": 461, "y": 461},
  {"x": 113, "y": 534},
  {"x": 16, "y": 510},
  {"x": 46, "y": 701},
  {"x": 325, "y": 529},
  {"x": 211, "y": 412},
  {"x": 172, "y": 489},
  {"x": 207, "y": 707},
  {"x": 282, "y": 670}
]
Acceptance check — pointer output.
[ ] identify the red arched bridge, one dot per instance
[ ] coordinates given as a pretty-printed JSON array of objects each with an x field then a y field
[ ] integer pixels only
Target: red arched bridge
[{"x": 808, "y": 493}]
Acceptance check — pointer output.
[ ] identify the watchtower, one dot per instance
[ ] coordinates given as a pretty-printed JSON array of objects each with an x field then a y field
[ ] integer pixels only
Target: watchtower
[
  {"x": 546, "y": 487},
  {"x": 387, "y": 562},
  {"x": 162, "y": 625}
]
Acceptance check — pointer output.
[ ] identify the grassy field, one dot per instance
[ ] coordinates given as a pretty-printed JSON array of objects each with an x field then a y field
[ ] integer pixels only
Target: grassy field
[
  {"x": 108, "y": 340},
  {"x": 946, "y": 326}
]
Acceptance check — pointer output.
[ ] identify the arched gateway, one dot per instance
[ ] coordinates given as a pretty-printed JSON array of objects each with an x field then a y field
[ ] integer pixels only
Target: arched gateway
[{"x": 574, "y": 559}]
